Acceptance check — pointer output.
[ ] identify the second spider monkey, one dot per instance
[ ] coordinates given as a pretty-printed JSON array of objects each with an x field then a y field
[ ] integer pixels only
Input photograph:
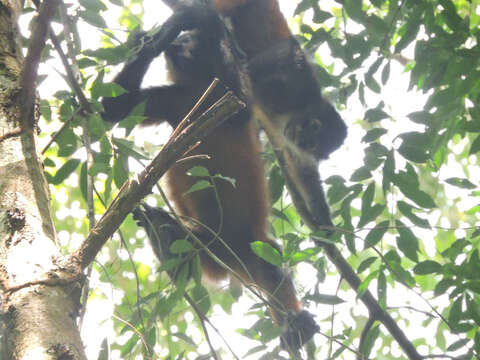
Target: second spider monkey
[{"x": 237, "y": 213}]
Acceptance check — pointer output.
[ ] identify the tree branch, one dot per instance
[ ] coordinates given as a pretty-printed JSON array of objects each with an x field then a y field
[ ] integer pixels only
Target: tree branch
[
  {"x": 30, "y": 67},
  {"x": 134, "y": 190}
]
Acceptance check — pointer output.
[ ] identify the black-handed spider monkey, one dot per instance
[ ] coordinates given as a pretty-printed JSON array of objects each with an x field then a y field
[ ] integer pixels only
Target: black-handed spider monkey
[{"x": 238, "y": 213}]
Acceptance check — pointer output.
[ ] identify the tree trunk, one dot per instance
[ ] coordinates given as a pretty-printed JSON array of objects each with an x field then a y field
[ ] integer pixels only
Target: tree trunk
[{"x": 40, "y": 295}]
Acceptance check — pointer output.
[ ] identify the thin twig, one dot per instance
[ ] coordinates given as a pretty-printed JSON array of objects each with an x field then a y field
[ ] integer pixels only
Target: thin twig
[
  {"x": 137, "y": 279},
  {"x": 192, "y": 111},
  {"x": 60, "y": 131},
  {"x": 392, "y": 23},
  {"x": 139, "y": 334},
  {"x": 29, "y": 71},
  {"x": 195, "y": 308}
]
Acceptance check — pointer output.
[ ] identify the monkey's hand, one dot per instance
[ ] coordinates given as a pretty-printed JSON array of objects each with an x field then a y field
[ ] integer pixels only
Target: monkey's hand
[
  {"x": 187, "y": 15},
  {"x": 162, "y": 230},
  {"x": 300, "y": 329}
]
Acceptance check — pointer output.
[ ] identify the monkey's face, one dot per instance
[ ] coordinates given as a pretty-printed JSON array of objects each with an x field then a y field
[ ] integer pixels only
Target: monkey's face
[{"x": 318, "y": 130}]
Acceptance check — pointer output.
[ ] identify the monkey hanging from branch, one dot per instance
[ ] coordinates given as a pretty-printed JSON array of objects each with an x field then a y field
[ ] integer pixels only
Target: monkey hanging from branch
[{"x": 281, "y": 92}]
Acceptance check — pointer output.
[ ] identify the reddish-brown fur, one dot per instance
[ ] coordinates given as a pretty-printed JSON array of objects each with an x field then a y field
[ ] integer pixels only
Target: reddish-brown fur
[
  {"x": 241, "y": 216},
  {"x": 258, "y": 24}
]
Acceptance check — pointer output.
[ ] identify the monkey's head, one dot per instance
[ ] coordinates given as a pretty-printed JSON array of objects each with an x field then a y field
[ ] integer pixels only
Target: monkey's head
[
  {"x": 318, "y": 130},
  {"x": 285, "y": 88}
]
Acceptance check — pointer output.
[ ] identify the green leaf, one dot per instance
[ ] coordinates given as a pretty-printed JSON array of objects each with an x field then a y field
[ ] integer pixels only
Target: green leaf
[
  {"x": 184, "y": 338},
  {"x": 47, "y": 162},
  {"x": 407, "y": 211},
  {"x": 96, "y": 126},
  {"x": 427, "y": 267},
  {"x": 422, "y": 117},
  {"x": 198, "y": 171},
  {"x": 367, "y": 197},
  {"x": 128, "y": 148},
  {"x": 120, "y": 172},
  {"x": 382, "y": 289},
  {"x": 367, "y": 345},
  {"x": 461, "y": 183},
  {"x": 455, "y": 312},
  {"x": 135, "y": 117},
  {"x": 473, "y": 285},
  {"x": 230, "y": 180},
  {"x": 365, "y": 264},
  {"x": 94, "y": 5},
  {"x": 361, "y": 174},
  {"x": 364, "y": 284},
  {"x": 329, "y": 299},
  {"x": 413, "y": 153},
  {"x": 69, "y": 167},
  {"x": 407, "y": 242},
  {"x": 303, "y": 255},
  {"x": 458, "y": 344},
  {"x": 409, "y": 31},
  {"x": 407, "y": 182},
  {"x": 170, "y": 264},
  {"x": 276, "y": 184},
  {"x": 371, "y": 214},
  {"x": 67, "y": 142},
  {"x": 104, "y": 353},
  {"x": 385, "y": 73},
  {"x": 92, "y": 18},
  {"x": 101, "y": 89},
  {"x": 475, "y": 147},
  {"x": 374, "y": 134},
  {"x": 84, "y": 63},
  {"x": 372, "y": 85},
  {"x": 197, "y": 269},
  {"x": 374, "y": 115},
  {"x": 181, "y": 246},
  {"x": 113, "y": 55},
  {"x": 127, "y": 348},
  {"x": 337, "y": 191},
  {"x": 98, "y": 168},
  {"x": 45, "y": 110},
  {"x": 376, "y": 234},
  {"x": 354, "y": 10},
  {"x": 452, "y": 19},
  {"x": 200, "y": 295},
  {"x": 442, "y": 286},
  {"x": 267, "y": 252},
  {"x": 368, "y": 212},
  {"x": 199, "y": 185},
  {"x": 473, "y": 309}
]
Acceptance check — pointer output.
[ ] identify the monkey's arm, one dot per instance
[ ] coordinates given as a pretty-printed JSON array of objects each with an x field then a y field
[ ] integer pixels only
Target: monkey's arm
[{"x": 165, "y": 102}]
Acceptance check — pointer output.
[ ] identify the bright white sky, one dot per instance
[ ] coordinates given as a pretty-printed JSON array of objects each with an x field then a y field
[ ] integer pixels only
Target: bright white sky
[{"x": 399, "y": 102}]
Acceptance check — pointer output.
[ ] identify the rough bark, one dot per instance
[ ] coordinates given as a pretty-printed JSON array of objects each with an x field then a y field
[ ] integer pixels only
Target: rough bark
[{"x": 39, "y": 296}]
